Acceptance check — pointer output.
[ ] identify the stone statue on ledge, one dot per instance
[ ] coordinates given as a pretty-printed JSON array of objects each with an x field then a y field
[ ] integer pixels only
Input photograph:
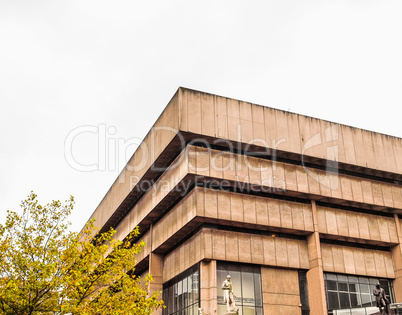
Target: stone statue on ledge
[
  {"x": 228, "y": 297},
  {"x": 381, "y": 298}
]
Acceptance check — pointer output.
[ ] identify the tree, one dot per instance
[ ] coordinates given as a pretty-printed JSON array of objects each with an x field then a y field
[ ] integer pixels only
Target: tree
[{"x": 46, "y": 269}]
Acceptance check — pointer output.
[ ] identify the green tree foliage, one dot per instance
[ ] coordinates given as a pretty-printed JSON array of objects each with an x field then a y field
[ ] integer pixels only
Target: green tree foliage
[{"x": 46, "y": 269}]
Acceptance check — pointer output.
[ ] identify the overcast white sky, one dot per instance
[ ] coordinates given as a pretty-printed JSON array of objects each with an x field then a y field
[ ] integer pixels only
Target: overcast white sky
[{"x": 66, "y": 64}]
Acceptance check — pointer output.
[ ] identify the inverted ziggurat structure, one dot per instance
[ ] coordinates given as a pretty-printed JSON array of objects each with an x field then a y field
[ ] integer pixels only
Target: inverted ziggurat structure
[{"x": 302, "y": 213}]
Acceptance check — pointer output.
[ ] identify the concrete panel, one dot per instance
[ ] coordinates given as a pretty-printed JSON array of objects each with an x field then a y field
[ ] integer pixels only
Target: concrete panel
[
  {"x": 269, "y": 251},
  {"x": 286, "y": 214},
  {"x": 327, "y": 260},
  {"x": 351, "y": 260},
  {"x": 330, "y": 216},
  {"x": 379, "y": 263},
  {"x": 282, "y": 130},
  {"x": 346, "y": 187},
  {"x": 207, "y": 115},
  {"x": 249, "y": 209},
  {"x": 359, "y": 146},
  {"x": 370, "y": 264},
  {"x": 362, "y": 221},
  {"x": 294, "y": 135},
  {"x": 221, "y": 117},
  {"x": 360, "y": 262},
  {"x": 261, "y": 211},
  {"x": 254, "y": 170},
  {"x": 211, "y": 203},
  {"x": 387, "y": 195},
  {"x": 293, "y": 254},
  {"x": 337, "y": 257},
  {"x": 308, "y": 217},
  {"x": 280, "y": 291},
  {"x": 303, "y": 255},
  {"x": 274, "y": 215},
  {"x": 270, "y": 125},
  {"x": 342, "y": 223},
  {"x": 257, "y": 249},
  {"x": 234, "y": 126},
  {"x": 302, "y": 180},
  {"x": 290, "y": 177},
  {"x": 258, "y": 124},
  {"x": 348, "y": 144},
  {"x": 383, "y": 227},
  {"x": 244, "y": 247},
  {"x": 246, "y": 122},
  {"x": 321, "y": 220},
  {"x": 369, "y": 148},
  {"x": 377, "y": 193},
  {"x": 297, "y": 216},
  {"x": 389, "y": 152},
  {"x": 229, "y": 170},
  {"x": 374, "y": 229},
  {"x": 232, "y": 246},
  {"x": 194, "y": 111},
  {"x": 236, "y": 208},
  {"x": 353, "y": 225},
  {"x": 218, "y": 245},
  {"x": 242, "y": 169},
  {"x": 281, "y": 252},
  {"x": 224, "y": 206}
]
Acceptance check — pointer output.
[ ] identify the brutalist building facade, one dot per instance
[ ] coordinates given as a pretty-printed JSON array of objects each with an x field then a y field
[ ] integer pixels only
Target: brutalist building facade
[{"x": 302, "y": 213}]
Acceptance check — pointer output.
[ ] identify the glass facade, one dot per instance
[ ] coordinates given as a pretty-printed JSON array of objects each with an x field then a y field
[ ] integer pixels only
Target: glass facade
[
  {"x": 353, "y": 295},
  {"x": 181, "y": 294},
  {"x": 246, "y": 282}
]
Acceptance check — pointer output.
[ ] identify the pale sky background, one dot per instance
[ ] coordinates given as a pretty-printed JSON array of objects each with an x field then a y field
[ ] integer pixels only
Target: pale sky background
[{"x": 66, "y": 64}]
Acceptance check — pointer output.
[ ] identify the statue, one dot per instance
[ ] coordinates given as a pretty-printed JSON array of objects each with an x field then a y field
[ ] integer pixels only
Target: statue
[
  {"x": 381, "y": 298},
  {"x": 228, "y": 297}
]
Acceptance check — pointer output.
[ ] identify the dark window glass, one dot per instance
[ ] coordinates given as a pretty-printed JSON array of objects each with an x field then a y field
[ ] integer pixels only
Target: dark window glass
[
  {"x": 305, "y": 308},
  {"x": 170, "y": 300},
  {"x": 352, "y": 294},
  {"x": 257, "y": 290},
  {"x": 373, "y": 281},
  {"x": 331, "y": 277},
  {"x": 331, "y": 285},
  {"x": 333, "y": 302},
  {"x": 185, "y": 293},
  {"x": 246, "y": 283},
  {"x": 181, "y": 293},
  {"x": 355, "y": 300},
  {"x": 344, "y": 300},
  {"x": 352, "y": 279},
  {"x": 176, "y": 297},
  {"x": 343, "y": 286},
  {"x": 353, "y": 287},
  {"x": 363, "y": 280}
]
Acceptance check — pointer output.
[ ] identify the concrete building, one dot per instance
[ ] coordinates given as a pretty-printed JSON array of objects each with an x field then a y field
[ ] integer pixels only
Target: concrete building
[{"x": 304, "y": 214}]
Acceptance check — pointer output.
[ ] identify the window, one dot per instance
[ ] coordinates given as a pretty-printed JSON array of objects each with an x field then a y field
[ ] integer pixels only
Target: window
[
  {"x": 353, "y": 294},
  {"x": 303, "y": 292},
  {"x": 181, "y": 294},
  {"x": 246, "y": 282}
]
